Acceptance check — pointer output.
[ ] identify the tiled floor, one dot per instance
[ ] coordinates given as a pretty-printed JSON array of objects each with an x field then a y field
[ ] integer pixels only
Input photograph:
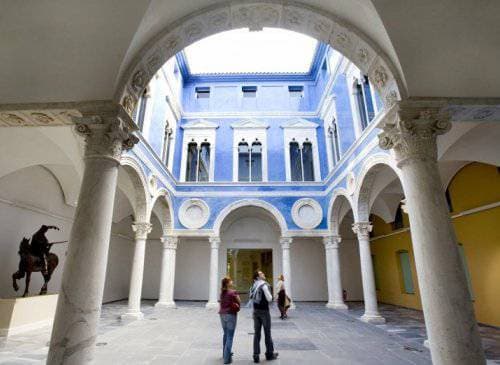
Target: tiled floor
[{"x": 192, "y": 335}]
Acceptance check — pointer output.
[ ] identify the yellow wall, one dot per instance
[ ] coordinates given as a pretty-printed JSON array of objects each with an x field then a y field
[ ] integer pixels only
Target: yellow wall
[{"x": 474, "y": 186}]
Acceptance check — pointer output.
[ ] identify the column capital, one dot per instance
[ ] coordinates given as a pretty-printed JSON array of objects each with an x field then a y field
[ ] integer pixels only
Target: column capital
[
  {"x": 362, "y": 229},
  {"x": 286, "y": 242},
  {"x": 332, "y": 242},
  {"x": 107, "y": 132},
  {"x": 214, "y": 242},
  {"x": 141, "y": 229},
  {"x": 411, "y": 129},
  {"x": 169, "y": 242}
]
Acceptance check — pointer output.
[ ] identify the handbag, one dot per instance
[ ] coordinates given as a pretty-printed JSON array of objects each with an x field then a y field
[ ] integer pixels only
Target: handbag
[
  {"x": 287, "y": 301},
  {"x": 235, "y": 307}
]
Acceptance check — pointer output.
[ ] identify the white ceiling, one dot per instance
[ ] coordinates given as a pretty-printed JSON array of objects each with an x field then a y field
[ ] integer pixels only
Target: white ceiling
[{"x": 70, "y": 50}]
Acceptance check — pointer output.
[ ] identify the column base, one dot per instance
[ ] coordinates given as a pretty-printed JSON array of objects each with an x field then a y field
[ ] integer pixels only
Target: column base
[
  {"x": 338, "y": 306},
  {"x": 212, "y": 305},
  {"x": 165, "y": 305},
  {"x": 373, "y": 318},
  {"x": 132, "y": 316}
]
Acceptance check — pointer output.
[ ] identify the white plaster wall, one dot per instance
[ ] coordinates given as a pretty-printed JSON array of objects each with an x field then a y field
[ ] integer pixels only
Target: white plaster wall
[
  {"x": 308, "y": 265},
  {"x": 192, "y": 268},
  {"x": 350, "y": 267},
  {"x": 37, "y": 200},
  {"x": 152, "y": 269}
]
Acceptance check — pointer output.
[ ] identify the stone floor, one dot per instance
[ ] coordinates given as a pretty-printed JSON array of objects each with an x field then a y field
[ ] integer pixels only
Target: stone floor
[{"x": 192, "y": 335}]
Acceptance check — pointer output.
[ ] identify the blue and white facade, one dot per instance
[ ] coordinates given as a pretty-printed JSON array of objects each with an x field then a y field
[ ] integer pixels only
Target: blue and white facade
[{"x": 225, "y": 152}]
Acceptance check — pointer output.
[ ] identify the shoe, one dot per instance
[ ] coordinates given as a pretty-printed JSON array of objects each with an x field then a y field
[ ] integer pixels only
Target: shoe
[
  {"x": 256, "y": 359},
  {"x": 273, "y": 356}
]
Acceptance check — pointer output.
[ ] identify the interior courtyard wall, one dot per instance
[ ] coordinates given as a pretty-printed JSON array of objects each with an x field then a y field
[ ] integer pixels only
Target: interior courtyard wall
[
  {"x": 191, "y": 269},
  {"x": 477, "y": 232},
  {"x": 308, "y": 265}
]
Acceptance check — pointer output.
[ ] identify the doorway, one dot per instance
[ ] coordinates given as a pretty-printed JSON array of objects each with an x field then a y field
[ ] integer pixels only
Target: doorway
[{"x": 242, "y": 263}]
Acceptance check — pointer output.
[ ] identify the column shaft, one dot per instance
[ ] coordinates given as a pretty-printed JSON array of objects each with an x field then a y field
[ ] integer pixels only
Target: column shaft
[
  {"x": 80, "y": 296},
  {"x": 214, "y": 272},
  {"x": 335, "y": 295},
  {"x": 371, "y": 315},
  {"x": 137, "y": 272},
  {"x": 449, "y": 315},
  {"x": 167, "y": 279},
  {"x": 287, "y": 270}
]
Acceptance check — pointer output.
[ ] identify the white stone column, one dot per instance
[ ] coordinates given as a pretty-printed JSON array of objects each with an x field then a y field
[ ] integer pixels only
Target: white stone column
[
  {"x": 371, "y": 315},
  {"x": 448, "y": 311},
  {"x": 285, "y": 243},
  {"x": 141, "y": 229},
  {"x": 334, "y": 278},
  {"x": 214, "y": 273},
  {"x": 80, "y": 296},
  {"x": 167, "y": 279}
]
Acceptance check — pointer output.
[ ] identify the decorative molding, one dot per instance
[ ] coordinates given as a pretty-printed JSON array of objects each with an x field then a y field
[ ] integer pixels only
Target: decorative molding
[
  {"x": 194, "y": 213},
  {"x": 169, "y": 242},
  {"x": 362, "y": 229},
  {"x": 215, "y": 242},
  {"x": 299, "y": 123},
  {"x": 250, "y": 124},
  {"x": 200, "y": 124},
  {"x": 285, "y": 242},
  {"x": 307, "y": 213},
  {"x": 142, "y": 229}
]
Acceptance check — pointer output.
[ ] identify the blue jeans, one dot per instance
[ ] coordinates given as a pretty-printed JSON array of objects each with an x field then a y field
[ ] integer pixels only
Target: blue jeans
[{"x": 228, "y": 322}]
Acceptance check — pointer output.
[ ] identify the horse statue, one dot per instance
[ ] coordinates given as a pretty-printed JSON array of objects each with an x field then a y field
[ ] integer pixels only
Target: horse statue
[{"x": 35, "y": 257}]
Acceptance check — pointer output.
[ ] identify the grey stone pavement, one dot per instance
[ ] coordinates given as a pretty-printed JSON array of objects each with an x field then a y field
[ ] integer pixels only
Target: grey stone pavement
[{"x": 191, "y": 335}]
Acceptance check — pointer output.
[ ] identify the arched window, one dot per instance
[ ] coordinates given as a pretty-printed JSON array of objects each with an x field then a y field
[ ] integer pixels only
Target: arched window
[
  {"x": 204, "y": 162},
  {"x": 295, "y": 162},
  {"x": 167, "y": 141},
  {"x": 301, "y": 161},
  {"x": 141, "y": 108},
  {"x": 192, "y": 162},
  {"x": 250, "y": 161},
  {"x": 364, "y": 102},
  {"x": 243, "y": 162},
  {"x": 334, "y": 141},
  {"x": 198, "y": 162},
  {"x": 256, "y": 161}
]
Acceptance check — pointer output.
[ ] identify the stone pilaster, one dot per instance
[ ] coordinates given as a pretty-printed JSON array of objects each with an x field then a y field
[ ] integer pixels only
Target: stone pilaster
[
  {"x": 74, "y": 332},
  {"x": 334, "y": 279},
  {"x": 449, "y": 316},
  {"x": 167, "y": 279},
  {"x": 141, "y": 229},
  {"x": 214, "y": 272},
  {"x": 371, "y": 315}
]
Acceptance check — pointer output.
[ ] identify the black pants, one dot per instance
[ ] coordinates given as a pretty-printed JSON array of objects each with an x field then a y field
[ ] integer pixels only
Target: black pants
[{"x": 262, "y": 318}]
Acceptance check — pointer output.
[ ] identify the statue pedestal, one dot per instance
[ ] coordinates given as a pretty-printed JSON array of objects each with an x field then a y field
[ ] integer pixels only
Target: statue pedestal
[{"x": 18, "y": 315}]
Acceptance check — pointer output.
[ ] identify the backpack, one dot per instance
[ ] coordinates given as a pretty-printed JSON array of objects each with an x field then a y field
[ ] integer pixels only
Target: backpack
[{"x": 256, "y": 295}]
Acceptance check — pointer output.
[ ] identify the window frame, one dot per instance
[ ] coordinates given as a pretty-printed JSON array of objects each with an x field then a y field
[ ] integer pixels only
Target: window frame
[{"x": 405, "y": 276}]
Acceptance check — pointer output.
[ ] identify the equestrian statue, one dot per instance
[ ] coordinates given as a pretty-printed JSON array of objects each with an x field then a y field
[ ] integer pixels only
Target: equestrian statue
[{"x": 36, "y": 257}]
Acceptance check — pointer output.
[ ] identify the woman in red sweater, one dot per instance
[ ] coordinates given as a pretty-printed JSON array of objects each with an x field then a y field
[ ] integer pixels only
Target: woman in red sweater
[{"x": 229, "y": 307}]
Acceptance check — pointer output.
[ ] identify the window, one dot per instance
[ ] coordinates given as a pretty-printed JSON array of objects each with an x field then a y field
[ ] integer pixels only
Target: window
[
  {"x": 364, "y": 102},
  {"x": 202, "y": 92},
  {"x": 463, "y": 259},
  {"x": 404, "y": 263},
  {"x": 301, "y": 161},
  {"x": 198, "y": 161},
  {"x": 141, "y": 109},
  {"x": 334, "y": 141},
  {"x": 296, "y": 91},
  {"x": 249, "y": 91},
  {"x": 250, "y": 161},
  {"x": 167, "y": 142}
]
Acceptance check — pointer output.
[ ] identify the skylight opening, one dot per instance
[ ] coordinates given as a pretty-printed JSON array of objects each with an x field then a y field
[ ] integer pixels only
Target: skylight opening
[{"x": 240, "y": 51}]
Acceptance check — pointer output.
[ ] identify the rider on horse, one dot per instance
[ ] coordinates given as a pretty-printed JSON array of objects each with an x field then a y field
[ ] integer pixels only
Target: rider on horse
[{"x": 40, "y": 245}]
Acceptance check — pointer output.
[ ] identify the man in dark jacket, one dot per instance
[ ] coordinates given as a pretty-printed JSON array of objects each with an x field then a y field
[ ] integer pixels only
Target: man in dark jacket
[
  {"x": 260, "y": 294},
  {"x": 40, "y": 245}
]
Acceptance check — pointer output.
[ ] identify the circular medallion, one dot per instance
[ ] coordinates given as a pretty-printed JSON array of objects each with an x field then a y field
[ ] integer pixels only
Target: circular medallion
[
  {"x": 194, "y": 213},
  {"x": 307, "y": 213}
]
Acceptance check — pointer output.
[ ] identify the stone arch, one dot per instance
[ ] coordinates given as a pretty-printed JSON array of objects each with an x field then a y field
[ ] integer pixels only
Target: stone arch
[
  {"x": 161, "y": 206},
  {"x": 271, "y": 209},
  {"x": 364, "y": 195},
  {"x": 340, "y": 204},
  {"x": 137, "y": 192},
  {"x": 294, "y": 16}
]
